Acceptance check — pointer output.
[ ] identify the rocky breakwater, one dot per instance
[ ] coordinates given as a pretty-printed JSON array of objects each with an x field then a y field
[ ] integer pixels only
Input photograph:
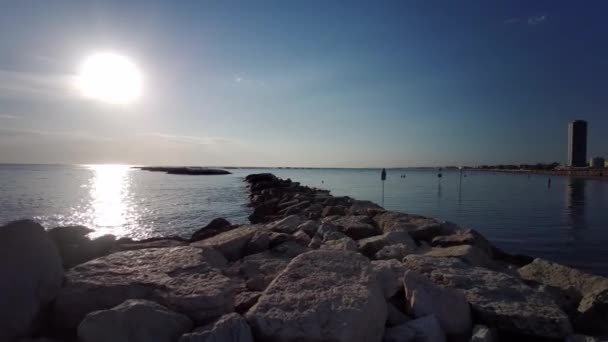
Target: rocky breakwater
[
  {"x": 309, "y": 267},
  {"x": 185, "y": 170}
]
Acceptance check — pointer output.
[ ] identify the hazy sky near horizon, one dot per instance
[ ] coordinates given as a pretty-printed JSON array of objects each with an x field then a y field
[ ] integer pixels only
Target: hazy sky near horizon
[{"x": 306, "y": 83}]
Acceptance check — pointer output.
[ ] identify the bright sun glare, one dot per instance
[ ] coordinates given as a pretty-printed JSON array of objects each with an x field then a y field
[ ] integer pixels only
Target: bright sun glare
[{"x": 110, "y": 78}]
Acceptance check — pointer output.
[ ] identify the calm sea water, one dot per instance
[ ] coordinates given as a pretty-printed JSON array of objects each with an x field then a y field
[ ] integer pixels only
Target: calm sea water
[{"x": 566, "y": 222}]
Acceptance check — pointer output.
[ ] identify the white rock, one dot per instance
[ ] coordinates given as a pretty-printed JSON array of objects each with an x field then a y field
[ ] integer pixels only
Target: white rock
[
  {"x": 497, "y": 299},
  {"x": 449, "y": 306},
  {"x": 185, "y": 279},
  {"x": 369, "y": 246},
  {"x": 322, "y": 295}
]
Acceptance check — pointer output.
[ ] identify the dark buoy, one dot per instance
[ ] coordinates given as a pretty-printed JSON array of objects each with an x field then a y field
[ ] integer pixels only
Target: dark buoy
[{"x": 383, "y": 178}]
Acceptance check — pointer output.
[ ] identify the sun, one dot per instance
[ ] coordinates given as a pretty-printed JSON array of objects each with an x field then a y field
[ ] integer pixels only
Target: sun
[{"x": 111, "y": 78}]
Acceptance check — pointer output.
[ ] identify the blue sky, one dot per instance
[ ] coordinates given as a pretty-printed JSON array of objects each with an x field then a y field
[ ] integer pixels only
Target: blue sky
[{"x": 306, "y": 83}]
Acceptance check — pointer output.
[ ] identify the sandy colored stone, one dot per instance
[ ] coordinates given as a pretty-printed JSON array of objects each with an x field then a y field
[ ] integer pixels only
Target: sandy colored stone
[
  {"x": 187, "y": 280},
  {"x": 448, "y": 305},
  {"x": 497, "y": 299},
  {"x": 467, "y": 253},
  {"x": 371, "y": 245},
  {"x": 322, "y": 295}
]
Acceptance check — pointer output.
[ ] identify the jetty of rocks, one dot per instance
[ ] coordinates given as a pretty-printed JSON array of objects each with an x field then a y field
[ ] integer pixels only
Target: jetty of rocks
[
  {"x": 185, "y": 170},
  {"x": 309, "y": 267}
]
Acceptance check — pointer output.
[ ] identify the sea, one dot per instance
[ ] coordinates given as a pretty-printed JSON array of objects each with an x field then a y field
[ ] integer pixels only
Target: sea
[{"x": 554, "y": 217}]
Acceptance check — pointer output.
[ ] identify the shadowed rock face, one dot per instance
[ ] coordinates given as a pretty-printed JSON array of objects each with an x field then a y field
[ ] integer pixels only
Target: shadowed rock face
[
  {"x": 228, "y": 328},
  {"x": 185, "y": 279},
  {"x": 134, "y": 320},
  {"x": 232, "y": 244},
  {"x": 216, "y": 226},
  {"x": 322, "y": 295},
  {"x": 497, "y": 299},
  {"x": 30, "y": 276},
  {"x": 76, "y": 248}
]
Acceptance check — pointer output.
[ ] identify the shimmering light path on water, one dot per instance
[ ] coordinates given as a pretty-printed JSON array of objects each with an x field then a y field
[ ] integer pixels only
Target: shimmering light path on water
[{"x": 566, "y": 222}]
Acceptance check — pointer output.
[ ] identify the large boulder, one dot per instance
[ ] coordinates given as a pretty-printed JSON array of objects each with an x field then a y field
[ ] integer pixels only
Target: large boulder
[
  {"x": 467, "y": 253},
  {"x": 363, "y": 208},
  {"x": 448, "y": 305},
  {"x": 261, "y": 177},
  {"x": 427, "y": 232},
  {"x": 592, "y": 290},
  {"x": 185, "y": 279},
  {"x": 69, "y": 234},
  {"x": 398, "y": 252},
  {"x": 341, "y": 244},
  {"x": 562, "y": 277},
  {"x": 134, "y": 320},
  {"x": 216, "y": 226},
  {"x": 256, "y": 271},
  {"x": 322, "y": 295},
  {"x": 369, "y": 246},
  {"x": 464, "y": 237},
  {"x": 496, "y": 299},
  {"x": 30, "y": 277},
  {"x": 129, "y": 245},
  {"x": 233, "y": 243},
  {"x": 331, "y": 210},
  {"x": 309, "y": 227},
  {"x": 356, "y": 226},
  {"x": 390, "y": 221},
  {"x": 228, "y": 328},
  {"x": 389, "y": 274},
  {"x": 592, "y": 312},
  {"x": 288, "y": 225}
]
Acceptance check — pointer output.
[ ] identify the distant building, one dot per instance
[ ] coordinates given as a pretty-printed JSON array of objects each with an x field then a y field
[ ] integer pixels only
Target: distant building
[
  {"x": 597, "y": 162},
  {"x": 577, "y": 143}
]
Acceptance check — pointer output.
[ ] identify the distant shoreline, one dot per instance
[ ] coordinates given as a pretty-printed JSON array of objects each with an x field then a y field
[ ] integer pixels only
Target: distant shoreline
[{"x": 591, "y": 174}]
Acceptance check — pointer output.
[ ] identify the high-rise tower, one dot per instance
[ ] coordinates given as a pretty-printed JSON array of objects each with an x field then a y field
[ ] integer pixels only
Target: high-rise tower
[{"x": 577, "y": 143}]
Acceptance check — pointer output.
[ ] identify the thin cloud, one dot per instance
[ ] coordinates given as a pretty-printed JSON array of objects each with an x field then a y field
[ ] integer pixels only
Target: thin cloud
[
  {"x": 536, "y": 20},
  {"x": 186, "y": 139},
  {"x": 35, "y": 86},
  {"x": 511, "y": 21},
  {"x": 7, "y": 116},
  {"x": 18, "y": 133}
]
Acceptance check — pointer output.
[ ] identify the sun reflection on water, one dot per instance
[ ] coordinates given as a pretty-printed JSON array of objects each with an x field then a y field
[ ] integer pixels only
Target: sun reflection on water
[{"x": 111, "y": 205}]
